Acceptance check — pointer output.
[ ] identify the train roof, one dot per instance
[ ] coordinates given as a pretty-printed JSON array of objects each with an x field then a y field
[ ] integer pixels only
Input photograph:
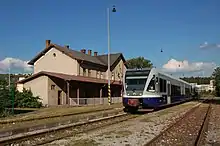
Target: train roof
[
  {"x": 138, "y": 69},
  {"x": 159, "y": 71},
  {"x": 170, "y": 76}
]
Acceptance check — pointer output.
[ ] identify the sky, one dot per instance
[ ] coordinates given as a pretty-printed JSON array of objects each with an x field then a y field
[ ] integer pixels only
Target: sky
[{"x": 186, "y": 30}]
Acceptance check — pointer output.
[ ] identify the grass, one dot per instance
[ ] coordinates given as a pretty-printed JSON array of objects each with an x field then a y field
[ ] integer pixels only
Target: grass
[
  {"x": 55, "y": 112},
  {"x": 59, "y": 119}
]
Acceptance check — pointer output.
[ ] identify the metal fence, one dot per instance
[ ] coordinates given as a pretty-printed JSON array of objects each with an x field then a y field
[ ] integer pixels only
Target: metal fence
[{"x": 94, "y": 101}]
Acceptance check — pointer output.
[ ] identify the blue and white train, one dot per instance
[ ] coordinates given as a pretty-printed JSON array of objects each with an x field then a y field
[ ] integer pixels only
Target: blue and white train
[{"x": 151, "y": 88}]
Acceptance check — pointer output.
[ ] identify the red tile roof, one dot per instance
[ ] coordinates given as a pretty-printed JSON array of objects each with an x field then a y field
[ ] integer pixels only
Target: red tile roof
[
  {"x": 100, "y": 59},
  {"x": 68, "y": 78}
]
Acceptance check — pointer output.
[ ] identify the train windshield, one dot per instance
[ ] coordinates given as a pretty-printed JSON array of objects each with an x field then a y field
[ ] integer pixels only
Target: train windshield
[
  {"x": 136, "y": 80},
  {"x": 135, "y": 84}
]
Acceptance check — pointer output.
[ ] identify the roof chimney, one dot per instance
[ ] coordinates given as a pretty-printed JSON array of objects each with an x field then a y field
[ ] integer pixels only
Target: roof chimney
[
  {"x": 67, "y": 46},
  {"x": 95, "y": 53},
  {"x": 47, "y": 43},
  {"x": 83, "y": 51},
  {"x": 90, "y": 52}
]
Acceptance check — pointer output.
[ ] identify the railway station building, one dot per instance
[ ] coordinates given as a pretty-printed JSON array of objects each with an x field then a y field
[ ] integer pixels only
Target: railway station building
[{"x": 63, "y": 76}]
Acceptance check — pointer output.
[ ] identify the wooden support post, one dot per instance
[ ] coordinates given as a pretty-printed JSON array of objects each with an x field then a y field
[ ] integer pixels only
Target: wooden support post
[
  {"x": 121, "y": 96},
  {"x": 68, "y": 92},
  {"x": 78, "y": 95},
  {"x": 100, "y": 95}
]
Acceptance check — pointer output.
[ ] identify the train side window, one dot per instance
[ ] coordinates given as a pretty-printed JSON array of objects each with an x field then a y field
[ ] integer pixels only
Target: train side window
[
  {"x": 163, "y": 84},
  {"x": 187, "y": 91},
  {"x": 175, "y": 90}
]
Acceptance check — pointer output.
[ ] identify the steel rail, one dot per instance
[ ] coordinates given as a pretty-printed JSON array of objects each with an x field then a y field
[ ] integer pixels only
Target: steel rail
[{"x": 29, "y": 135}]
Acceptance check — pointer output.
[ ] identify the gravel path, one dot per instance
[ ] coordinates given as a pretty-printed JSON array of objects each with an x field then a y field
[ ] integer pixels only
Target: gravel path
[
  {"x": 133, "y": 132},
  {"x": 213, "y": 134},
  {"x": 184, "y": 132}
]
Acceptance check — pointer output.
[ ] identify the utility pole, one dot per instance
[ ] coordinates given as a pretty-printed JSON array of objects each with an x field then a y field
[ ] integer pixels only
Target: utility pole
[
  {"x": 11, "y": 90},
  {"x": 109, "y": 71},
  {"x": 9, "y": 76}
]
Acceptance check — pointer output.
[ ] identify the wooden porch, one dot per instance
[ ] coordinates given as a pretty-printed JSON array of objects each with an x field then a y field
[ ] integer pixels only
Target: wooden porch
[{"x": 85, "y": 93}]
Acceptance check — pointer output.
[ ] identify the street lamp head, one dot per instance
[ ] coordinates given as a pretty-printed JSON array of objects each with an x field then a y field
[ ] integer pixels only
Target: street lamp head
[{"x": 113, "y": 9}]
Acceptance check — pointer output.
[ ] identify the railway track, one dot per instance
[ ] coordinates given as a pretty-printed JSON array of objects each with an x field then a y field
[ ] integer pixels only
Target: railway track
[
  {"x": 194, "y": 135},
  {"x": 11, "y": 121},
  {"x": 44, "y": 136},
  {"x": 201, "y": 136},
  {"x": 7, "y": 130}
]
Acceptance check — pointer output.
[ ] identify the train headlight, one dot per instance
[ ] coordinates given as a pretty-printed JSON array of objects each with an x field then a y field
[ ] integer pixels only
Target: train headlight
[{"x": 140, "y": 94}]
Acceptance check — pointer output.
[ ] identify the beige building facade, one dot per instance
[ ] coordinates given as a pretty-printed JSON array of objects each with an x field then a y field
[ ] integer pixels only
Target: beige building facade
[{"x": 67, "y": 77}]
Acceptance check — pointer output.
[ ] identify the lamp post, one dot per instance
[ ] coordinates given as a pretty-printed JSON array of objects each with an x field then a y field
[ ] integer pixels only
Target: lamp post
[
  {"x": 9, "y": 76},
  {"x": 109, "y": 72},
  {"x": 11, "y": 89}
]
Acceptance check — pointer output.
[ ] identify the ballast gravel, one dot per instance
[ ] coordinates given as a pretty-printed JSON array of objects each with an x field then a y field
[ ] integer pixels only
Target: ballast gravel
[
  {"x": 185, "y": 131},
  {"x": 213, "y": 133},
  {"x": 134, "y": 132}
]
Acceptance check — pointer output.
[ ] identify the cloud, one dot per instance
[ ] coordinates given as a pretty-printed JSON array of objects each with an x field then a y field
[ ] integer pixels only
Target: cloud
[
  {"x": 206, "y": 45},
  {"x": 175, "y": 66},
  {"x": 16, "y": 66}
]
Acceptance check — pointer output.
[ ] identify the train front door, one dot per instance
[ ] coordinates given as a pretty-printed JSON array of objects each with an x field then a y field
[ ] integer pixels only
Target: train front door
[{"x": 168, "y": 92}]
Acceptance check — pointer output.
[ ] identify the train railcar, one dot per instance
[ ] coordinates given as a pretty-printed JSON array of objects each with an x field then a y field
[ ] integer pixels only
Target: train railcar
[{"x": 151, "y": 88}]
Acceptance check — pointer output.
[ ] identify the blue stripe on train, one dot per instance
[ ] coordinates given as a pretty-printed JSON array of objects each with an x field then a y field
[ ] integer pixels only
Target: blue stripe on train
[{"x": 156, "y": 101}]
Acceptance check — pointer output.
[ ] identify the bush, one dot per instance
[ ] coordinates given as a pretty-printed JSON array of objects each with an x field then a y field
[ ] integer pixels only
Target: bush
[
  {"x": 4, "y": 98},
  {"x": 23, "y": 99},
  {"x": 26, "y": 99}
]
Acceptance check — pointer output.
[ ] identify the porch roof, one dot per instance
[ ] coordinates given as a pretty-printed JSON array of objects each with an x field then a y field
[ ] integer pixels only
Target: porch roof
[{"x": 68, "y": 78}]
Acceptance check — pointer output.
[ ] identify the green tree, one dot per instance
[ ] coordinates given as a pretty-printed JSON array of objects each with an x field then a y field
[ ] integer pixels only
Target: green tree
[
  {"x": 216, "y": 76},
  {"x": 139, "y": 62},
  {"x": 5, "y": 100},
  {"x": 26, "y": 99},
  {"x": 198, "y": 80}
]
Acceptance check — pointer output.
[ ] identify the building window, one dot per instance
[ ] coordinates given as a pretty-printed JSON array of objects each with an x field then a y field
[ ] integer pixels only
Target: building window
[
  {"x": 52, "y": 87},
  {"x": 101, "y": 75},
  {"x": 54, "y": 54},
  {"x": 79, "y": 68},
  {"x": 84, "y": 72},
  {"x": 89, "y": 72},
  {"x": 97, "y": 74},
  {"x": 119, "y": 75},
  {"x": 113, "y": 76}
]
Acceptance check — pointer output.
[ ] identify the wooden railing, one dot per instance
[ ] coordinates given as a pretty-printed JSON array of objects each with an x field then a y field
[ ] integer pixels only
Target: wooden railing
[{"x": 94, "y": 100}]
